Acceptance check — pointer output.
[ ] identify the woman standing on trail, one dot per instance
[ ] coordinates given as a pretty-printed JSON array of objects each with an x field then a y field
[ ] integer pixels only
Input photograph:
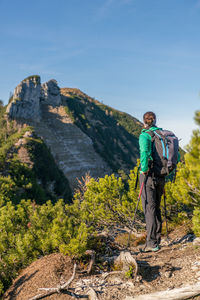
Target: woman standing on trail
[{"x": 153, "y": 185}]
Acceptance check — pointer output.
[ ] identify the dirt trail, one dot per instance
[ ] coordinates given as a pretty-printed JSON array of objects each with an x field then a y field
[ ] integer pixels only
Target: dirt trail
[{"x": 174, "y": 266}]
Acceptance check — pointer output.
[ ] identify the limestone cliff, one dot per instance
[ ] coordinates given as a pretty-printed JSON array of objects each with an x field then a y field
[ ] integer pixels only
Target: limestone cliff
[
  {"x": 25, "y": 102},
  {"x": 28, "y": 95}
]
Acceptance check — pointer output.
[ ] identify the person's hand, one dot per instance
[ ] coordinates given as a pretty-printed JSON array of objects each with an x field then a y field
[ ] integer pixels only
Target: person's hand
[{"x": 145, "y": 173}]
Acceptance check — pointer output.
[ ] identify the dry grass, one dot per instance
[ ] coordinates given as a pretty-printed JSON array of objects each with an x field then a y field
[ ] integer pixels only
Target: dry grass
[{"x": 122, "y": 239}]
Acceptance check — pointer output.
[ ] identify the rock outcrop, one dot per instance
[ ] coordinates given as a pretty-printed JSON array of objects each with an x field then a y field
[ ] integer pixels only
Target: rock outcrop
[
  {"x": 25, "y": 102},
  {"x": 27, "y": 97},
  {"x": 51, "y": 92}
]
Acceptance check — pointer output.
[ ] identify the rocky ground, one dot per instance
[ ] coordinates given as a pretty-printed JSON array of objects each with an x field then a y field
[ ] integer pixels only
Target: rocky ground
[{"x": 175, "y": 265}]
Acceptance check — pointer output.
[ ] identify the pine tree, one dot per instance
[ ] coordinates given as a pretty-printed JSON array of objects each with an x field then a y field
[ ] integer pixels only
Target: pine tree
[{"x": 183, "y": 196}]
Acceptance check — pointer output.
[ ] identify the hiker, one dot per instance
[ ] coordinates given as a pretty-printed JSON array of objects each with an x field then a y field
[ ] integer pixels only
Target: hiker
[{"x": 155, "y": 165}]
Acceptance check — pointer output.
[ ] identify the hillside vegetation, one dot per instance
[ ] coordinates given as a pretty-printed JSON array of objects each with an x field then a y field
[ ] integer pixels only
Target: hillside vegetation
[
  {"x": 34, "y": 222},
  {"x": 114, "y": 133},
  {"x": 27, "y": 169}
]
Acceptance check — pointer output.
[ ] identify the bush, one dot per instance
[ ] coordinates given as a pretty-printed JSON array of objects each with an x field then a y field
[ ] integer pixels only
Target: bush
[
  {"x": 29, "y": 231},
  {"x": 106, "y": 202},
  {"x": 40, "y": 182},
  {"x": 46, "y": 170},
  {"x": 33, "y": 77},
  {"x": 196, "y": 221}
]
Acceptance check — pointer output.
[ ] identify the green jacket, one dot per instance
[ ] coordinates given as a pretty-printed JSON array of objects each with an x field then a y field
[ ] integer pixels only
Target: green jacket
[{"x": 145, "y": 147}]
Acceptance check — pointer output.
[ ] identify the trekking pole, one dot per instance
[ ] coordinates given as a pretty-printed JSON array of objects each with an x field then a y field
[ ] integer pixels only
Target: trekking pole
[
  {"x": 165, "y": 214},
  {"x": 137, "y": 177},
  {"x": 138, "y": 200}
]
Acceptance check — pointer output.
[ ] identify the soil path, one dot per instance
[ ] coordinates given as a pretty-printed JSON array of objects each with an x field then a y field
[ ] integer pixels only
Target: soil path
[{"x": 174, "y": 266}]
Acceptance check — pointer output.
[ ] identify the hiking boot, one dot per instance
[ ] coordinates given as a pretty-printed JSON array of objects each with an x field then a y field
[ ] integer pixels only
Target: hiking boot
[{"x": 150, "y": 249}]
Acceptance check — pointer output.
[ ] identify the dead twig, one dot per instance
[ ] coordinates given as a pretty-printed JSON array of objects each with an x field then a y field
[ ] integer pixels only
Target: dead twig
[
  {"x": 92, "y": 294},
  {"x": 92, "y": 261},
  {"x": 106, "y": 275}
]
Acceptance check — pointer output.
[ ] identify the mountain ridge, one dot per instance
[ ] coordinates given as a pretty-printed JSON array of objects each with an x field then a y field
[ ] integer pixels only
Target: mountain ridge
[
  {"x": 114, "y": 133},
  {"x": 111, "y": 136}
]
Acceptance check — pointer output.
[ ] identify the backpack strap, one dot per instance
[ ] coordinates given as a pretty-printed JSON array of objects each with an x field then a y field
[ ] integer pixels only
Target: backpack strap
[
  {"x": 164, "y": 146},
  {"x": 162, "y": 138},
  {"x": 152, "y": 135},
  {"x": 150, "y": 161}
]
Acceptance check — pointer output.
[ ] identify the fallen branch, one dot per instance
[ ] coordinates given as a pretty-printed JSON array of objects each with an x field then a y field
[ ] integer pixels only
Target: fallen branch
[
  {"x": 92, "y": 261},
  {"x": 106, "y": 275},
  {"x": 40, "y": 296},
  {"x": 175, "y": 294},
  {"x": 92, "y": 294}
]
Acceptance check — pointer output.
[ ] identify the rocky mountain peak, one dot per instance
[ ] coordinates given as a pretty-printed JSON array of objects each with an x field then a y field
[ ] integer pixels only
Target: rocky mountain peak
[{"x": 27, "y": 97}]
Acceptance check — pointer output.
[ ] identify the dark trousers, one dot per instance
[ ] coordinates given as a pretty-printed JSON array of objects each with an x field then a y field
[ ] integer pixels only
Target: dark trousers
[{"x": 151, "y": 197}]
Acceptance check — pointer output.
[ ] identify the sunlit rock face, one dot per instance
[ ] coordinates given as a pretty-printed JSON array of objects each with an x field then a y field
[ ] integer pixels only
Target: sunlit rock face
[
  {"x": 25, "y": 103},
  {"x": 51, "y": 92}
]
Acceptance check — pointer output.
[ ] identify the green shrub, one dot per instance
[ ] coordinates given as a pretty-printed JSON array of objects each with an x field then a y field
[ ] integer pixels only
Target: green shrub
[
  {"x": 46, "y": 170},
  {"x": 12, "y": 138},
  {"x": 29, "y": 231},
  {"x": 70, "y": 114},
  {"x": 106, "y": 203},
  {"x": 41, "y": 182},
  {"x": 36, "y": 77},
  {"x": 196, "y": 221}
]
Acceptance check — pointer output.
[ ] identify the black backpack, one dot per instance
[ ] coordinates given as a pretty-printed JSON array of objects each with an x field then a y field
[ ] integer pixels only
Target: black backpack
[{"x": 165, "y": 148}]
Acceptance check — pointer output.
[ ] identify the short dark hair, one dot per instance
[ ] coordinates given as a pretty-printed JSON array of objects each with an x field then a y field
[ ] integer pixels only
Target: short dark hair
[{"x": 149, "y": 118}]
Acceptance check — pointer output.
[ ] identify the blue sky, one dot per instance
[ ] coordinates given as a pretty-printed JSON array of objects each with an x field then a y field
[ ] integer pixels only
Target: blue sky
[{"x": 134, "y": 55}]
